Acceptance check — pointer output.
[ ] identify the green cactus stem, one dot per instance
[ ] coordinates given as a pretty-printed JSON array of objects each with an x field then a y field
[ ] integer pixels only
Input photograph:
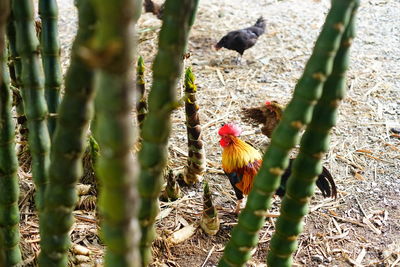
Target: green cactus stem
[
  {"x": 141, "y": 104},
  {"x": 15, "y": 73},
  {"x": 33, "y": 94},
  {"x": 314, "y": 144},
  {"x": 9, "y": 190},
  {"x": 193, "y": 172},
  {"x": 112, "y": 53},
  {"x": 69, "y": 142},
  {"x": 177, "y": 19},
  {"x": 297, "y": 114},
  {"x": 209, "y": 221},
  {"x": 4, "y": 13},
  {"x": 50, "y": 50}
]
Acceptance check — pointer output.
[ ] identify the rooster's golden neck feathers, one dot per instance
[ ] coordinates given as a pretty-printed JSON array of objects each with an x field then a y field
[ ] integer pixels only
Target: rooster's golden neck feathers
[{"x": 236, "y": 153}]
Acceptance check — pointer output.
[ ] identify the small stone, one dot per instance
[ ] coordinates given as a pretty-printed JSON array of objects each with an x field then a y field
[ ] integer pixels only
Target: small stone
[
  {"x": 317, "y": 258},
  {"x": 80, "y": 250},
  {"x": 395, "y": 130},
  {"x": 81, "y": 259}
]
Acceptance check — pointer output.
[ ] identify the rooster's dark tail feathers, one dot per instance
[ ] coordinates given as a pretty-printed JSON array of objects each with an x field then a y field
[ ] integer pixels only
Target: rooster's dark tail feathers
[{"x": 326, "y": 184}]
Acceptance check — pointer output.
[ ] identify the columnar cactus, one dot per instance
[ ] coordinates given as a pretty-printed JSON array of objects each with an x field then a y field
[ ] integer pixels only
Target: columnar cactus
[
  {"x": 33, "y": 94},
  {"x": 112, "y": 53},
  {"x": 307, "y": 166},
  {"x": 177, "y": 19},
  {"x": 10, "y": 253},
  {"x": 50, "y": 50},
  {"x": 69, "y": 142}
]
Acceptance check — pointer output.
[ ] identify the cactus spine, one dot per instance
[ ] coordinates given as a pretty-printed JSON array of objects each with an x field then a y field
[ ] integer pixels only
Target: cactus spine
[
  {"x": 50, "y": 45},
  {"x": 33, "y": 94},
  {"x": 196, "y": 162},
  {"x": 297, "y": 114},
  {"x": 314, "y": 143},
  {"x": 167, "y": 67},
  {"x": 113, "y": 53},
  {"x": 69, "y": 142},
  {"x": 10, "y": 253}
]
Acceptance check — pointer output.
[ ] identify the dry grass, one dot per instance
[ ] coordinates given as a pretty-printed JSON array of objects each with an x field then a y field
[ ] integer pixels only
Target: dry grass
[{"x": 361, "y": 227}]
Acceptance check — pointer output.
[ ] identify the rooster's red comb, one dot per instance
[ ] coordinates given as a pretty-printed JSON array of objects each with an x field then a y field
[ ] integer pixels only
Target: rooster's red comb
[
  {"x": 230, "y": 129},
  {"x": 267, "y": 103}
]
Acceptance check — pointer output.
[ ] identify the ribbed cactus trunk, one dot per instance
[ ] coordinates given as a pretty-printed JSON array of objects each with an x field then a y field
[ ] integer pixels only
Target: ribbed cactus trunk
[
  {"x": 15, "y": 73},
  {"x": 10, "y": 253},
  {"x": 308, "y": 164},
  {"x": 193, "y": 172},
  {"x": 69, "y": 142},
  {"x": 178, "y": 18},
  {"x": 141, "y": 105},
  {"x": 112, "y": 52},
  {"x": 297, "y": 114},
  {"x": 33, "y": 94},
  {"x": 50, "y": 50},
  {"x": 4, "y": 13}
]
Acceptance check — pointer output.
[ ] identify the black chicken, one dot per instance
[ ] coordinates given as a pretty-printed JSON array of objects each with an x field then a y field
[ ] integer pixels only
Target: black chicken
[
  {"x": 243, "y": 39},
  {"x": 152, "y": 7}
]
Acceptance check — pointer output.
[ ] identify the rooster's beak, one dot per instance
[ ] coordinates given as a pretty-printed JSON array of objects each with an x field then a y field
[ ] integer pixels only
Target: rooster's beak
[{"x": 216, "y": 47}]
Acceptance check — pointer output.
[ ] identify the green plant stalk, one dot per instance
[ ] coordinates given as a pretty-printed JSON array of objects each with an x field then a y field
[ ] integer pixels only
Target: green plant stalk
[
  {"x": 15, "y": 73},
  {"x": 33, "y": 94},
  {"x": 196, "y": 161},
  {"x": 113, "y": 53},
  {"x": 297, "y": 114},
  {"x": 167, "y": 68},
  {"x": 141, "y": 105},
  {"x": 308, "y": 164},
  {"x": 15, "y": 60},
  {"x": 50, "y": 50},
  {"x": 4, "y": 13},
  {"x": 9, "y": 190},
  {"x": 209, "y": 221},
  {"x": 69, "y": 142}
]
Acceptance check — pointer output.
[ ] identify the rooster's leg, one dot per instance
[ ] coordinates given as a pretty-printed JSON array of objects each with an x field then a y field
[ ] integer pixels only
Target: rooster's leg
[
  {"x": 238, "y": 206},
  {"x": 240, "y": 203}
]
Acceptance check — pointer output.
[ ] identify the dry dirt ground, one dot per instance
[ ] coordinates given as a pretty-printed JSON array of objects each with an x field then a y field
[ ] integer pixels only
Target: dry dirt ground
[{"x": 361, "y": 227}]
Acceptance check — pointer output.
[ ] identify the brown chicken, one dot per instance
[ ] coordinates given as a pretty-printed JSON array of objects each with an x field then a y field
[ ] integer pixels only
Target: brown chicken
[
  {"x": 152, "y": 7},
  {"x": 269, "y": 115}
]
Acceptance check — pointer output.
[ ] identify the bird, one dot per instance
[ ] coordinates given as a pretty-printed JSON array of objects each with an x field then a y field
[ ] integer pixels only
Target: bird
[
  {"x": 241, "y": 40},
  {"x": 269, "y": 115},
  {"x": 241, "y": 162},
  {"x": 152, "y": 7}
]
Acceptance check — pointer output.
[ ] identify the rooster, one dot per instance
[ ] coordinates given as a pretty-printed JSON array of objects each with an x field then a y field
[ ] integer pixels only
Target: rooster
[
  {"x": 269, "y": 115},
  {"x": 241, "y": 162},
  {"x": 243, "y": 39}
]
